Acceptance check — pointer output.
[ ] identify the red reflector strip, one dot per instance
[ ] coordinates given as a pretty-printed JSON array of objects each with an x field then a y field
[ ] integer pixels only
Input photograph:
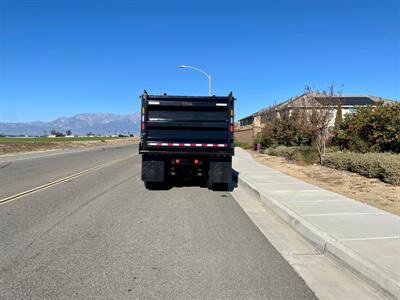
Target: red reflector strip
[{"x": 186, "y": 145}]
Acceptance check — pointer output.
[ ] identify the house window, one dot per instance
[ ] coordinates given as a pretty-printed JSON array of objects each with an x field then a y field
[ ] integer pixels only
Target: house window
[{"x": 247, "y": 121}]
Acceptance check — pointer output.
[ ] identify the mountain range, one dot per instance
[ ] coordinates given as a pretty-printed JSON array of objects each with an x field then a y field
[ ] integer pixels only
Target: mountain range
[{"x": 97, "y": 123}]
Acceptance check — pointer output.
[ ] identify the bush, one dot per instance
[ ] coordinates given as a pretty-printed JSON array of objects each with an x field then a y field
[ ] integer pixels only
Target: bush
[
  {"x": 282, "y": 151},
  {"x": 307, "y": 155},
  {"x": 242, "y": 145},
  {"x": 287, "y": 130},
  {"x": 370, "y": 129},
  {"x": 384, "y": 166},
  {"x": 303, "y": 155}
]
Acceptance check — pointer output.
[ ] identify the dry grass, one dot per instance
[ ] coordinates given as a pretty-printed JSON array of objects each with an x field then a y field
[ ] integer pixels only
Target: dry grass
[
  {"x": 367, "y": 190},
  {"x": 23, "y": 146}
]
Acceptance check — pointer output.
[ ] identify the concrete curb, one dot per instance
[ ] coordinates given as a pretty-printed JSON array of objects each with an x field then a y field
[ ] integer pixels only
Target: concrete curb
[{"x": 328, "y": 245}]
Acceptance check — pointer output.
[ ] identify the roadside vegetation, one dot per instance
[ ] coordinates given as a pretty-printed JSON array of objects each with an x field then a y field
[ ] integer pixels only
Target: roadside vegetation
[
  {"x": 53, "y": 140},
  {"x": 366, "y": 142},
  {"x": 370, "y": 129},
  {"x": 242, "y": 145},
  {"x": 17, "y": 145},
  {"x": 384, "y": 166}
]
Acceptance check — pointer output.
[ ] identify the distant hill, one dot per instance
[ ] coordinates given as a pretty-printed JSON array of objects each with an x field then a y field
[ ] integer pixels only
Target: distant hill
[{"x": 101, "y": 123}]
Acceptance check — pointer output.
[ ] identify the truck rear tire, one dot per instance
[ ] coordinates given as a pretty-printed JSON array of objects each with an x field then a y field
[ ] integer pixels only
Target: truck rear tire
[
  {"x": 222, "y": 187},
  {"x": 154, "y": 185},
  {"x": 218, "y": 186}
]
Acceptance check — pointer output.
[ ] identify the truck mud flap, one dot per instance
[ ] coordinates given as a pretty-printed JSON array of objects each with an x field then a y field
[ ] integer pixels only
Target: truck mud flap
[
  {"x": 152, "y": 169},
  {"x": 220, "y": 171}
]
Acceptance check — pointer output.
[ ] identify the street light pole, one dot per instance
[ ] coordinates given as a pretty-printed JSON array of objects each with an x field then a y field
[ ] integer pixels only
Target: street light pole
[{"x": 201, "y": 71}]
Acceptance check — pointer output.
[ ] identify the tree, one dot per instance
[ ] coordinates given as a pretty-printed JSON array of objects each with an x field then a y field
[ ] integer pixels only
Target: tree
[
  {"x": 57, "y": 133},
  {"x": 320, "y": 106},
  {"x": 304, "y": 122},
  {"x": 339, "y": 115},
  {"x": 68, "y": 132}
]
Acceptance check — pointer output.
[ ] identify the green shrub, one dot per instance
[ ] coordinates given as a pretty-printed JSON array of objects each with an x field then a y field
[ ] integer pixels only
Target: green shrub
[
  {"x": 303, "y": 155},
  {"x": 370, "y": 129},
  {"x": 242, "y": 145},
  {"x": 287, "y": 130},
  {"x": 283, "y": 151},
  {"x": 306, "y": 155},
  {"x": 258, "y": 139},
  {"x": 384, "y": 166}
]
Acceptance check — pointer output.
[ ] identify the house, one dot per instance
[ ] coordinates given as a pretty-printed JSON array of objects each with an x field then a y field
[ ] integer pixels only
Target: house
[{"x": 247, "y": 128}]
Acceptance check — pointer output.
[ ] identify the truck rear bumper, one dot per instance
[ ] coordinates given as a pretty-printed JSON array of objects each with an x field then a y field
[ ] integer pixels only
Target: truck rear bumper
[
  {"x": 192, "y": 152},
  {"x": 157, "y": 168}
]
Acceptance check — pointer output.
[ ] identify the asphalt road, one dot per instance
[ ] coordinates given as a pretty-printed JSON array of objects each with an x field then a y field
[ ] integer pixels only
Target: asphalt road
[{"x": 103, "y": 235}]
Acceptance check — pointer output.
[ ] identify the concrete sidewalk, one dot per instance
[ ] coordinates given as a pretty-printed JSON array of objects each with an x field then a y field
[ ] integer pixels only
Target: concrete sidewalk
[{"x": 362, "y": 237}]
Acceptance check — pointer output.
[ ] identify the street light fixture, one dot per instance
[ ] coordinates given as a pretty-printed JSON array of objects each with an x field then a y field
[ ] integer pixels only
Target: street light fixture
[{"x": 200, "y": 70}]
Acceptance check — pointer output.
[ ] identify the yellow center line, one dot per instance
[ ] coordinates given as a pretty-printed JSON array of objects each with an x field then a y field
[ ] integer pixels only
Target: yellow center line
[{"x": 61, "y": 180}]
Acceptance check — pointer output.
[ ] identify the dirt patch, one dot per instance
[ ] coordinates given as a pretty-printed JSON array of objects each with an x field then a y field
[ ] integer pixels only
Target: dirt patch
[
  {"x": 18, "y": 147},
  {"x": 367, "y": 190}
]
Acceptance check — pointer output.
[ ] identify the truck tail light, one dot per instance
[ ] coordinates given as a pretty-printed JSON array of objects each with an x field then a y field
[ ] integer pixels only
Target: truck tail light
[
  {"x": 196, "y": 161},
  {"x": 142, "y": 119},
  {"x": 177, "y": 161},
  {"x": 231, "y": 127}
]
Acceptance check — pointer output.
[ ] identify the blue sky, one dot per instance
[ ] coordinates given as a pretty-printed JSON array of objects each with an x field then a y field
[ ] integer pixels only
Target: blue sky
[{"x": 59, "y": 58}]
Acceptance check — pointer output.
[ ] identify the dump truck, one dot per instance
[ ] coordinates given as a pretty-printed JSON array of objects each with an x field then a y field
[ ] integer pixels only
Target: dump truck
[{"x": 187, "y": 137}]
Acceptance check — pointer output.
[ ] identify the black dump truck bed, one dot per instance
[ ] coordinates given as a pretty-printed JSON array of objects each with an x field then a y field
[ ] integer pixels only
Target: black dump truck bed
[
  {"x": 187, "y": 124},
  {"x": 186, "y": 137}
]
